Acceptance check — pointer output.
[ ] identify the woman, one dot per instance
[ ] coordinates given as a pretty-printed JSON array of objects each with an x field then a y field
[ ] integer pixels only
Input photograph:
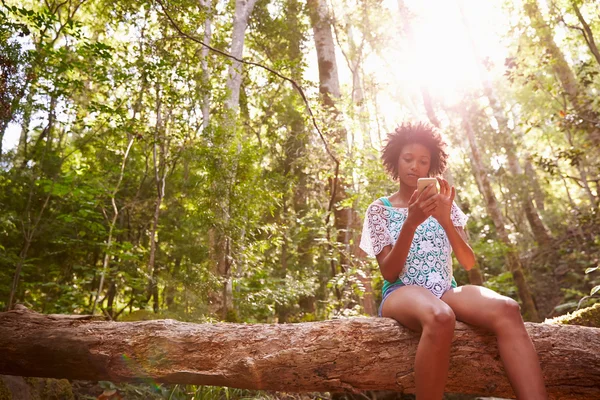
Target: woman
[{"x": 412, "y": 235}]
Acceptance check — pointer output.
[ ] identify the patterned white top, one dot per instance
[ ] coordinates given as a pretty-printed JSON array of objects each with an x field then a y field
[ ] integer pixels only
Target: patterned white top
[{"x": 429, "y": 260}]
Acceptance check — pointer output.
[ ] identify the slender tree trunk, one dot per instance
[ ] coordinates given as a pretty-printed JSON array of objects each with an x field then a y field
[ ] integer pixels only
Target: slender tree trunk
[
  {"x": 329, "y": 88},
  {"x": 282, "y": 310},
  {"x": 30, "y": 227},
  {"x": 23, "y": 138},
  {"x": 474, "y": 274},
  {"x": 512, "y": 258},
  {"x": 207, "y": 4},
  {"x": 111, "y": 227},
  {"x": 161, "y": 169},
  {"x": 110, "y": 298},
  {"x": 17, "y": 275},
  {"x": 296, "y": 147},
  {"x": 581, "y": 168},
  {"x": 563, "y": 71},
  {"x": 329, "y": 84},
  {"x": 347, "y": 218},
  {"x": 243, "y": 9},
  {"x": 171, "y": 286},
  {"x": 538, "y": 228},
  {"x": 220, "y": 238},
  {"x": 588, "y": 35}
]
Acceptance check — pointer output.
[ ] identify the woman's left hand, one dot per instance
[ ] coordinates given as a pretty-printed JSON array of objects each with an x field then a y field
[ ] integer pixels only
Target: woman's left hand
[{"x": 444, "y": 201}]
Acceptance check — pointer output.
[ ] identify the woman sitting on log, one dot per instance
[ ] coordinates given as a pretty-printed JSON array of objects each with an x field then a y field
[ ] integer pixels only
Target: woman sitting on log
[{"x": 413, "y": 233}]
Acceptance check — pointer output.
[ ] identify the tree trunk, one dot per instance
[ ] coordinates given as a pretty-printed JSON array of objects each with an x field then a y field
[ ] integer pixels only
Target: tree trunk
[
  {"x": 207, "y": 4},
  {"x": 329, "y": 88},
  {"x": 110, "y": 298},
  {"x": 329, "y": 84},
  {"x": 29, "y": 226},
  {"x": 538, "y": 193},
  {"x": 587, "y": 32},
  {"x": 171, "y": 286},
  {"x": 563, "y": 71},
  {"x": 111, "y": 227},
  {"x": 243, "y": 9},
  {"x": 221, "y": 302},
  {"x": 296, "y": 146},
  {"x": 538, "y": 228},
  {"x": 27, "y": 111},
  {"x": 334, "y": 356},
  {"x": 512, "y": 258},
  {"x": 161, "y": 167},
  {"x": 474, "y": 274}
]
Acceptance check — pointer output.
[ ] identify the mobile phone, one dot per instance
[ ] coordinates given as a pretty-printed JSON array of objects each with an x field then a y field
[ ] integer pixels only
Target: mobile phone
[{"x": 422, "y": 183}]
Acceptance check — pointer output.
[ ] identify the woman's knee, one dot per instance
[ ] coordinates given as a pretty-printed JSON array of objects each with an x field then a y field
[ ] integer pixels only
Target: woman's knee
[
  {"x": 507, "y": 312},
  {"x": 439, "y": 320}
]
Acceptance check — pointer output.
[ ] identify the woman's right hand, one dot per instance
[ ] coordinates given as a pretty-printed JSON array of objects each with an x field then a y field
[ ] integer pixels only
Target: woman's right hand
[{"x": 420, "y": 206}]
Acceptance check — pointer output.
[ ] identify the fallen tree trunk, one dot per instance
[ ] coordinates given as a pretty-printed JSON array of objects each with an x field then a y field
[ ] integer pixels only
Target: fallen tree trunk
[{"x": 329, "y": 356}]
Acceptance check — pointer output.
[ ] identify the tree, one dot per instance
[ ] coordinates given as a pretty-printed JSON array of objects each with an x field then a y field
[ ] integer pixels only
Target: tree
[
  {"x": 512, "y": 258},
  {"x": 540, "y": 231},
  {"x": 580, "y": 104}
]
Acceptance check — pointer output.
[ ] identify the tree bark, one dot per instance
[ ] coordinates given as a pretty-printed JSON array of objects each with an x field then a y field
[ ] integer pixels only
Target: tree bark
[
  {"x": 29, "y": 227},
  {"x": 329, "y": 84},
  {"x": 588, "y": 35},
  {"x": 339, "y": 355},
  {"x": 538, "y": 228},
  {"x": 204, "y": 81},
  {"x": 243, "y": 9},
  {"x": 329, "y": 88},
  {"x": 563, "y": 71},
  {"x": 161, "y": 169},
  {"x": 512, "y": 258},
  {"x": 221, "y": 302},
  {"x": 111, "y": 226},
  {"x": 474, "y": 274}
]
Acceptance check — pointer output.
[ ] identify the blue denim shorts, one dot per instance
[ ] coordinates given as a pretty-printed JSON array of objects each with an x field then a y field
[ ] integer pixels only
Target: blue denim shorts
[{"x": 388, "y": 291}]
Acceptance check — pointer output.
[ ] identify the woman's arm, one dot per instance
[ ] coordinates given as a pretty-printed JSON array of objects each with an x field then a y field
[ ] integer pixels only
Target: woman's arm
[
  {"x": 458, "y": 241},
  {"x": 456, "y": 234},
  {"x": 391, "y": 259}
]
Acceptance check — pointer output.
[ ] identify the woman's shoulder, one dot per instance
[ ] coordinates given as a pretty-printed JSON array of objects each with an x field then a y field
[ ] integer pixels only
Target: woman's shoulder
[
  {"x": 377, "y": 206},
  {"x": 387, "y": 202},
  {"x": 380, "y": 202}
]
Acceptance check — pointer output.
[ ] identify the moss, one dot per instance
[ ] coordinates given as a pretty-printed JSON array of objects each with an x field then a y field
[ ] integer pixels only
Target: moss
[
  {"x": 232, "y": 316},
  {"x": 35, "y": 384},
  {"x": 57, "y": 389},
  {"x": 5, "y": 394},
  {"x": 589, "y": 316}
]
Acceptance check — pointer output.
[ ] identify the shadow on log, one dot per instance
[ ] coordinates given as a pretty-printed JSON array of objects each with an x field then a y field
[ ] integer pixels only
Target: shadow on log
[{"x": 349, "y": 355}]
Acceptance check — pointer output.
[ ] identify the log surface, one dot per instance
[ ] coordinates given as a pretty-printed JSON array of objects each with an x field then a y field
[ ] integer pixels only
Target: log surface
[{"x": 330, "y": 356}]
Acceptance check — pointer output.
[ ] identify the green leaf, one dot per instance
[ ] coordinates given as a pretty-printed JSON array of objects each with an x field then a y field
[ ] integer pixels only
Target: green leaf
[
  {"x": 595, "y": 290},
  {"x": 591, "y": 269}
]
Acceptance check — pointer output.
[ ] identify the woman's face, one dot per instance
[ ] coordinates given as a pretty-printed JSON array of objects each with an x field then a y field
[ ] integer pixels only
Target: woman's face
[{"x": 413, "y": 163}]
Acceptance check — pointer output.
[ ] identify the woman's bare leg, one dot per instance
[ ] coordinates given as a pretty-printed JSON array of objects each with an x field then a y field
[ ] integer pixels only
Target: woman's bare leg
[
  {"x": 419, "y": 310},
  {"x": 480, "y": 306}
]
